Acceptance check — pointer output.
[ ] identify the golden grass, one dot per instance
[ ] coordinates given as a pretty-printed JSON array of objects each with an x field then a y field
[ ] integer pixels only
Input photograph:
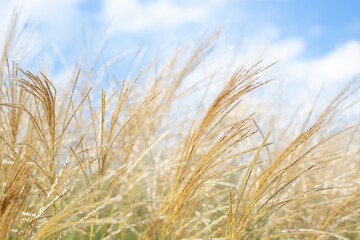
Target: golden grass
[{"x": 122, "y": 166}]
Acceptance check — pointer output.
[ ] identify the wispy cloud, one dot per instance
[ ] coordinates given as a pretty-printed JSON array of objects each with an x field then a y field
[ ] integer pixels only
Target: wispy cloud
[
  {"x": 338, "y": 66},
  {"x": 285, "y": 50},
  {"x": 135, "y": 16},
  {"x": 55, "y": 20}
]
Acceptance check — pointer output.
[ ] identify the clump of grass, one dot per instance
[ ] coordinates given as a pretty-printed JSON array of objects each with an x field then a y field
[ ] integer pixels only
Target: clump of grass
[{"x": 80, "y": 164}]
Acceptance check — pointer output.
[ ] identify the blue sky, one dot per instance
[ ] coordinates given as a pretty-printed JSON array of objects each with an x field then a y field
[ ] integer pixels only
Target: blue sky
[{"x": 316, "y": 42}]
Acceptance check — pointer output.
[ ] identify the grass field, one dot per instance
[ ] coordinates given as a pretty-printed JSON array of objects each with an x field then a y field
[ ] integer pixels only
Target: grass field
[{"x": 150, "y": 161}]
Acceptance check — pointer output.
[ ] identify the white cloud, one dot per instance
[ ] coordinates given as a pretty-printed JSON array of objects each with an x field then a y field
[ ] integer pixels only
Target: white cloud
[
  {"x": 133, "y": 16},
  {"x": 55, "y": 19},
  {"x": 285, "y": 50},
  {"x": 300, "y": 78},
  {"x": 333, "y": 69},
  {"x": 51, "y": 23},
  {"x": 338, "y": 66}
]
